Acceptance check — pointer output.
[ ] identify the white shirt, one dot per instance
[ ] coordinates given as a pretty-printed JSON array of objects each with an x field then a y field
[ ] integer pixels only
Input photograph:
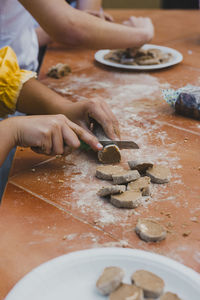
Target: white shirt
[{"x": 17, "y": 31}]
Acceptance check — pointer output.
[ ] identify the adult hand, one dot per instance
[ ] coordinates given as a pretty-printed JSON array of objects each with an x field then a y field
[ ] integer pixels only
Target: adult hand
[
  {"x": 51, "y": 134},
  {"x": 141, "y": 23},
  {"x": 100, "y": 111}
]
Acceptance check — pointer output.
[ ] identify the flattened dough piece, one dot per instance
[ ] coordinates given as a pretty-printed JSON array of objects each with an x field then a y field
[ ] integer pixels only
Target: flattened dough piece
[
  {"x": 127, "y": 292},
  {"x": 125, "y": 176},
  {"x": 140, "y": 166},
  {"x": 110, "y": 279},
  {"x": 151, "y": 284},
  {"x": 109, "y": 155},
  {"x": 129, "y": 199},
  {"x": 111, "y": 190},
  {"x": 159, "y": 174},
  {"x": 150, "y": 230},
  {"x": 59, "y": 70},
  {"x": 169, "y": 296},
  {"x": 142, "y": 185},
  {"x": 106, "y": 172}
]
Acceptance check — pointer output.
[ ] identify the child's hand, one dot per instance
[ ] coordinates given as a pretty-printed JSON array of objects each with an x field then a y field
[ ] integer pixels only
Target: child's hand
[
  {"x": 51, "y": 134},
  {"x": 141, "y": 23}
]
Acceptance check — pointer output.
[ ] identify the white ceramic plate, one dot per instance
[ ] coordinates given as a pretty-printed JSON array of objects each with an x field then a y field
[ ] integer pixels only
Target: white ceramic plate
[
  {"x": 73, "y": 276},
  {"x": 176, "y": 58}
]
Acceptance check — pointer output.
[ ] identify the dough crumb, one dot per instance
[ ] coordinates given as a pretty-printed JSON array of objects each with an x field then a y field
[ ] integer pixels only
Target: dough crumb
[
  {"x": 106, "y": 172},
  {"x": 110, "y": 280},
  {"x": 142, "y": 185},
  {"x": 128, "y": 199},
  {"x": 111, "y": 190},
  {"x": 159, "y": 174},
  {"x": 125, "y": 176},
  {"x": 150, "y": 230},
  {"x": 151, "y": 284},
  {"x": 126, "y": 292},
  {"x": 59, "y": 70},
  {"x": 170, "y": 296},
  {"x": 109, "y": 155},
  {"x": 140, "y": 166}
]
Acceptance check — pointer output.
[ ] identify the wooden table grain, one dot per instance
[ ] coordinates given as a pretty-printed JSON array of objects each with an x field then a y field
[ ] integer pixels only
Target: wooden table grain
[{"x": 50, "y": 206}]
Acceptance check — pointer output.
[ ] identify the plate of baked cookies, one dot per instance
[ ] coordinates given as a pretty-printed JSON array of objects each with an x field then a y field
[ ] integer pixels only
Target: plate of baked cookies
[
  {"x": 109, "y": 273},
  {"x": 148, "y": 57}
]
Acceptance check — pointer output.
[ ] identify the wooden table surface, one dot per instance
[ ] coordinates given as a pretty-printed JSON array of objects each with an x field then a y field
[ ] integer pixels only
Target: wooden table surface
[{"x": 50, "y": 206}]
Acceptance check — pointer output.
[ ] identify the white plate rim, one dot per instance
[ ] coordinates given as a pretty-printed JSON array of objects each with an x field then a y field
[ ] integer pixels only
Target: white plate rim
[
  {"x": 178, "y": 57},
  {"x": 114, "y": 251}
]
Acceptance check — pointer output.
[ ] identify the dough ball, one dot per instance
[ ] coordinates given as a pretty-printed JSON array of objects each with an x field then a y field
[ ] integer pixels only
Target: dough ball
[
  {"x": 126, "y": 292},
  {"x": 109, "y": 155},
  {"x": 128, "y": 199},
  {"x": 111, "y": 190},
  {"x": 169, "y": 296},
  {"x": 150, "y": 230},
  {"x": 106, "y": 172},
  {"x": 59, "y": 70},
  {"x": 110, "y": 279},
  {"x": 142, "y": 185},
  {"x": 140, "y": 166},
  {"x": 151, "y": 284},
  {"x": 159, "y": 174},
  {"x": 125, "y": 177}
]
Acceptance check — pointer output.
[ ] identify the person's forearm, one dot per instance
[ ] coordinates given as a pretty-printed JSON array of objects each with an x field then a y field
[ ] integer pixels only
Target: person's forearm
[
  {"x": 73, "y": 27},
  {"x": 89, "y": 4},
  {"x": 7, "y": 138},
  {"x": 37, "y": 99}
]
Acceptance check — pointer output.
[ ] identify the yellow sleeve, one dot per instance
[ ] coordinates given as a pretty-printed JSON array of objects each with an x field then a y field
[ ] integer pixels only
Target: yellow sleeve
[{"x": 11, "y": 80}]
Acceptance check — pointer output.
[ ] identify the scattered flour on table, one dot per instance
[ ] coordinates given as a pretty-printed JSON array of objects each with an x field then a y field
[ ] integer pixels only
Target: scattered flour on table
[{"x": 123, "y": 92}]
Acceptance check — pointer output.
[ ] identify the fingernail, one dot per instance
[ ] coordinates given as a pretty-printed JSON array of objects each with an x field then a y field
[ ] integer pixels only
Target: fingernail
[{"x": 99, "y": 146}]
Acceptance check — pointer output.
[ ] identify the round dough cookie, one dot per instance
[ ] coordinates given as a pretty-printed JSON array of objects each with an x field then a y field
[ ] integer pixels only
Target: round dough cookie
[
  {"x": 142, "y": 185},
  {"x": 111, "y": 190},
  {"x": 150, "y": 230},
  {"x": 141, "y": 166},
  {"x": 106, "y": 172},
  {"x": 170, "y": 296},
  {"x": 109, "y": 155},
  {"x": 125, "y": 176},
  {"x": 110, "y": 279},
  {"x": 129, "y": 199},
  {"x": 151, "y": 284},
  {"x": 159, "y": 174},
  {"x": 126, "y": 292}
]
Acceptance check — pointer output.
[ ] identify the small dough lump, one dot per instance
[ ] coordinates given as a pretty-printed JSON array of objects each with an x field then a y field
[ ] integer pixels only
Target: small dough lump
[
  {"x": 151, "y": 284},
  {"x": 126, "y": 292},
  {"x": 150, "y": 230},
  {"x": 110, "y": 279},
  {"x": 106, "y": 172}
]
